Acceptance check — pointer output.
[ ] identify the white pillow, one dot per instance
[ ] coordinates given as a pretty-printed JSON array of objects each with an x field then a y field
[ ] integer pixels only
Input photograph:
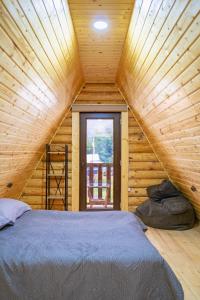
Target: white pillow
[{"x": 11, "y": 209}]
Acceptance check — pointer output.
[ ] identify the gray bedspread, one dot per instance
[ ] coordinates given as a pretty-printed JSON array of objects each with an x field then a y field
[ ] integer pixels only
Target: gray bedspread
[{"x": 50, "y": 255}]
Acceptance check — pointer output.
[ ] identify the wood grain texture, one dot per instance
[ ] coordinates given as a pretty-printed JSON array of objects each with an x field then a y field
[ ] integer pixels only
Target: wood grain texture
[
  {"x": 124, "y": 160},
  {"x": 159, "y": 75},
  {"x": 181, "y": 250},
  {"x": 100, "y": 51},
  {"x": 35, "y": 190},
  {"x": 39, "y": 75},
  {"x": 75, "y": 160},
  {"x": 144, "y": 168}
]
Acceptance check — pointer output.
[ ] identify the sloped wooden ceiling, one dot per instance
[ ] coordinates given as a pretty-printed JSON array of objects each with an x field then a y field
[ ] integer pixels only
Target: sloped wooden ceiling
[
  {"x": 39, "y": 74},
  {"x": 100, "y": 51},
  {"x": 159, "y": 73}
]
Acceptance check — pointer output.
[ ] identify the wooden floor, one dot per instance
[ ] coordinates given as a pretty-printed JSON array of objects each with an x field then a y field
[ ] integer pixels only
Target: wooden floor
[{"x": 181, "y": 249}]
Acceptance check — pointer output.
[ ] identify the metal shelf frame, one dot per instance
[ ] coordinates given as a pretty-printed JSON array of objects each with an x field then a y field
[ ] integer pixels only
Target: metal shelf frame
[{"x": 57, "y": 176}]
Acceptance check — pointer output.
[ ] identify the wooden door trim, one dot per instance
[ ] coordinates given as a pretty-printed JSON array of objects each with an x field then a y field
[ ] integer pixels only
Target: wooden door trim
[
  {"x": 75, "y": 161},
  {"x": 99, "y": 108},
  {"x": 124, "y": 161},
  {"x": 117, "y": 156}
]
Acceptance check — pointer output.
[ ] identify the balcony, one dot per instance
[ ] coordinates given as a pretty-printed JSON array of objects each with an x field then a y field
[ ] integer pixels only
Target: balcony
[{"x": 99, "y": 186}]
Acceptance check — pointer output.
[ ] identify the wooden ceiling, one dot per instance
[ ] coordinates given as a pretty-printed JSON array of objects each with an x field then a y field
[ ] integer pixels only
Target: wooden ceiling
[
  {"x": 160, "y": 74},
  {"x": 100, "y": 52},
  {"x": 39, "y": 74}
]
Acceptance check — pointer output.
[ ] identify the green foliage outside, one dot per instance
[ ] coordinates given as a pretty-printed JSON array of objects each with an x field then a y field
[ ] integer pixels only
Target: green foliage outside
[{"x": 102, "y": 146}]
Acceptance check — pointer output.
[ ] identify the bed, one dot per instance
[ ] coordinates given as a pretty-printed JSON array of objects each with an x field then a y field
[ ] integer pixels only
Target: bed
[{"x": 51, "y": 255}]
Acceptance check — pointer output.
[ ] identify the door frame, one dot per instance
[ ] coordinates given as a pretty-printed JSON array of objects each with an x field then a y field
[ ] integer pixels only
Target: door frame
[
  {"x": 116, "y": 157},
  {"x": 76, "y": 160}
]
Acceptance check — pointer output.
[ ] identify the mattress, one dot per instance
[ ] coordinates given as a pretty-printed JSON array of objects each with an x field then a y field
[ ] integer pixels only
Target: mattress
[{"x": 82, "y": 256}]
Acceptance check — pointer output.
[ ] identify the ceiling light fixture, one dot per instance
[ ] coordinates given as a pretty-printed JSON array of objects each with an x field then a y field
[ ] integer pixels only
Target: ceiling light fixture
[{"x": 100, "y": 25}]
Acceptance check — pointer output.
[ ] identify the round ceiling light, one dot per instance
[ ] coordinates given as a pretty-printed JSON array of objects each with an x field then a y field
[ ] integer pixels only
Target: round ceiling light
[{"x": 100, "y": 25}]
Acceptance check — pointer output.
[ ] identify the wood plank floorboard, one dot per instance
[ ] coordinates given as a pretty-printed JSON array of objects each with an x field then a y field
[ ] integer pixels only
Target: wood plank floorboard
[{"x": 181, "y": 249}]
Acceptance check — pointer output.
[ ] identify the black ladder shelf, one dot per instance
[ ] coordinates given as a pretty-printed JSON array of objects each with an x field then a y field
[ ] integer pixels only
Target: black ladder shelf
[{"x": 57, "y": 174}]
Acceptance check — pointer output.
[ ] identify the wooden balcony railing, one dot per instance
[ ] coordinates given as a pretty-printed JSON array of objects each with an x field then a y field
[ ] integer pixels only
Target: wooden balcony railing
[{"x": 99, "y": 177}]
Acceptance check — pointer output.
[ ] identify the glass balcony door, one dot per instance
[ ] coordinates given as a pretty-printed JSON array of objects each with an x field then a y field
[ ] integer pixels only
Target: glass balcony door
[{"x": 100, "y": 161}]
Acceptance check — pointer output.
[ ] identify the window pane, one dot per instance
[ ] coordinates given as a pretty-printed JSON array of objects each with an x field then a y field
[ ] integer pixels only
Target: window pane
[{"x": 100, "y": 163}]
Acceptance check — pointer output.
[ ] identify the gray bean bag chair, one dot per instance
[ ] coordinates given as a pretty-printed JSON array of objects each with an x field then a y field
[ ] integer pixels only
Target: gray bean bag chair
[
  {"x": 164, "y": 190},
  {"x": 171, "y": 212}
]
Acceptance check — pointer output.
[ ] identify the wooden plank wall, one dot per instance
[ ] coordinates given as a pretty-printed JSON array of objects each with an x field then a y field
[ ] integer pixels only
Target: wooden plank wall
[
  {"x": 35, "y": 189},
  {"x": 159, "y": 74},
  {"x": 144, "y": 167},
  {"x": 39, "y": 75},
  {"x": 100, "y": 93}
]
